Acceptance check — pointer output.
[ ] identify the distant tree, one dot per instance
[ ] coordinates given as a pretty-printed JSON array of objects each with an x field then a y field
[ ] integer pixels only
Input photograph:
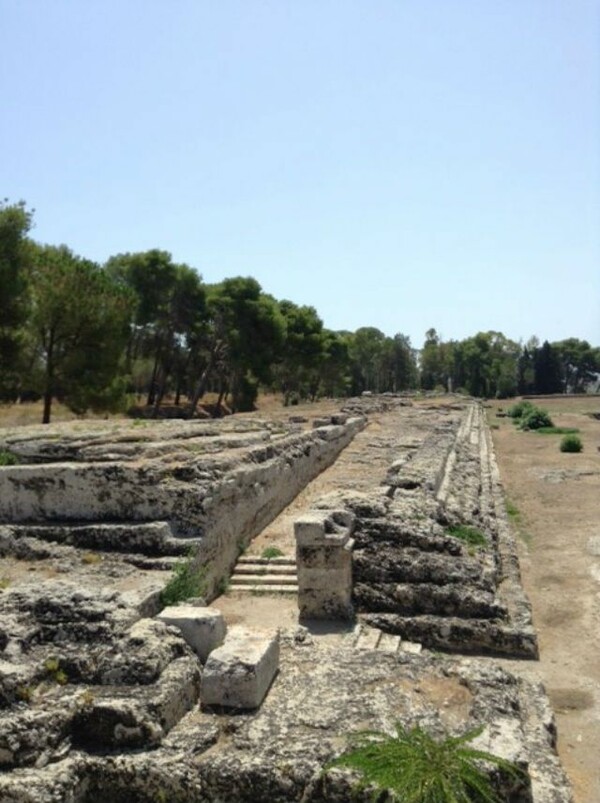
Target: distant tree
[
  {"x": 302, "y": 351},
  {"x": 15, "y": 223},
  {"x": 170, "y": 312},
  {"x": 367, "y": 350},
  {"x": 579, "y": 363},
  {"x": 79, "y": 324},
  {"x": 335, "y": 368},
  {"x": 433, "y": 370},
  {"x": 246, "y": 333},
  {"x": 401, "y": 364},
  {"x": 547, "y": 369}
]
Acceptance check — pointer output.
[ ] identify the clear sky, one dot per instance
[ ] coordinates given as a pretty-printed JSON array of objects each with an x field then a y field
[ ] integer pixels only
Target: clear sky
[{"x": 395, "y": 163}]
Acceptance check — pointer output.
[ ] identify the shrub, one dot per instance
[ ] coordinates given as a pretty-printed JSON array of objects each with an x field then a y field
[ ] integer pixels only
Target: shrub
[
  {"x": 535, "y": 419},
  {"x": 417, "y": 768},
  {"x": 8, "y": 458},
  {"x": 518, "y": 409},
  {"x": 571, "y": 443},
  {"x": 186, "y": 581},
  {"x": 470, "y": 535}
]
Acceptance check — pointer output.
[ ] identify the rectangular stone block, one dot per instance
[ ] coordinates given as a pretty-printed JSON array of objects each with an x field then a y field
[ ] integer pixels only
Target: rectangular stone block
[
  {"x": 238, "y": 674},
  {"x": 203, "y": 628},
  {"x": 309, "y": 530}
]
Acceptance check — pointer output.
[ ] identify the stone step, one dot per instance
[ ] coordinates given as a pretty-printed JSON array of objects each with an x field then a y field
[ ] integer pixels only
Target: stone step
[
  {"x": 151, "y": 538},
  {"x": 372, "y": 638},
  {"x": 263, "y": 579},
  {"x": 264, "y": 589},
  {"x": 261, "y": 568},
  {"x": 368, "y": 638},
  {"x": 257, "y": 560},
  {"x": 389, "y": 643}
]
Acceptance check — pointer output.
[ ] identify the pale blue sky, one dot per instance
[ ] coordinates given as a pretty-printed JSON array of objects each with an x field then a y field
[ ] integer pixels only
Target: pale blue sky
[{"x": 400, "y": 164}]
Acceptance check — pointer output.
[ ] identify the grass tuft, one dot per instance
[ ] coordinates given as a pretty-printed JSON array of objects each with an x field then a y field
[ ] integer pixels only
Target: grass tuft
[
  {"x": 470, "y": 535},
  {"x": 271, "y": 552}
]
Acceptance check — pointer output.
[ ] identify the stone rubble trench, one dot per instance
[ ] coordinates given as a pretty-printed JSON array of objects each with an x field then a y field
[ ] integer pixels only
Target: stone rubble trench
[{"x": 99, "y": 700}]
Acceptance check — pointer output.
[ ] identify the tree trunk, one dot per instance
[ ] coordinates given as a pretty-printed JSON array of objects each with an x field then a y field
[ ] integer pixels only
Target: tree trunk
[
  {"x": 201, "y": 387},
  {"x": 49, "y": 385},
  {"x": 152, "y": 387}
]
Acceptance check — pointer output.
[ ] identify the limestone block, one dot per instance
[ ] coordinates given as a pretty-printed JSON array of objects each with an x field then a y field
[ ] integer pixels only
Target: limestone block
[
  {"x": 203, "y": 628},
  {"x": 239, "y": 673},
  {"x": 309, "y": 530}
]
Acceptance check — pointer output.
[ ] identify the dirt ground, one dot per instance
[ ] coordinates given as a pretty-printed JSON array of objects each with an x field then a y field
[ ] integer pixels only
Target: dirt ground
[{"x": 555, "y": 502}]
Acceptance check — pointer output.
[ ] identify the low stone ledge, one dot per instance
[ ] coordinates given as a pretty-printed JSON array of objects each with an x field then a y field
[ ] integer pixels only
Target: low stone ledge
[
  {"x": 204, "y": 629},
  {"x": 239, "y": 673}
]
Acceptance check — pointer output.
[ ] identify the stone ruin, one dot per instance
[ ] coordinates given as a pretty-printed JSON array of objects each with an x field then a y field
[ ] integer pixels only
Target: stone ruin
[{"x": 108, "y": 697}]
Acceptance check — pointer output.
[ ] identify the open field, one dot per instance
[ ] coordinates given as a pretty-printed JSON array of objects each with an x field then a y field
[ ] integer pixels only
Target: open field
[{"x": 555, "y": 500}]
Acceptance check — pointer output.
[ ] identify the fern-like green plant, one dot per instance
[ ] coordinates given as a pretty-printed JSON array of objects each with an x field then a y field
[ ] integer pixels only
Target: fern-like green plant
[{"x": 414, "y": 767}]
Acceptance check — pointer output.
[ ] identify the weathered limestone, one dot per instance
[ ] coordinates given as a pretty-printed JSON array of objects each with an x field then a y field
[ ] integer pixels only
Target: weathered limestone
[
  {"x": 203, "y": 628},
  {"x": 99, "y": 695},
  {"x": 238, "y": 674},
  {"x": 324, "y": 559},
  {"x": 214, "y": 491}
]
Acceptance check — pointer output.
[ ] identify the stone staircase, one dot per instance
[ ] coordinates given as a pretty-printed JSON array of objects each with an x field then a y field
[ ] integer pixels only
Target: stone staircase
[
  {"x": 254, "y": 574},
  {"x": 372, "y": 638}
]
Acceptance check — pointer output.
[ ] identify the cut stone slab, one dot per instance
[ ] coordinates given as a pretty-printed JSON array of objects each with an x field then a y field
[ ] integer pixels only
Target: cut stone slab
[
  {"x": 202, "y": 628},
  {"x": 238, "y": 674}
]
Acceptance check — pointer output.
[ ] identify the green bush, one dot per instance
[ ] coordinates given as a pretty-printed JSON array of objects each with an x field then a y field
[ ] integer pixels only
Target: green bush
[
  {"x": 519, "y": 409},
  {"x": 571, "y": 443},
  {"x": 535, "y": 419},
  {"x": 186, "y": 581},
  {"x": 417, "y": 768},
  {"x": 8, "y": 458}
]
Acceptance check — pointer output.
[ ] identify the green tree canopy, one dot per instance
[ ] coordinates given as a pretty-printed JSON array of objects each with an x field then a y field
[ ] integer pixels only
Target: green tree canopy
[
  {"x": 15, "y": 252},
  {"x": 79, "y": 327}
]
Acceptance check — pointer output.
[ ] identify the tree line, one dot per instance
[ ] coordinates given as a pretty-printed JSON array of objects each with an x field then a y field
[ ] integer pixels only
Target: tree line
[{"x": 93, "y": 336}]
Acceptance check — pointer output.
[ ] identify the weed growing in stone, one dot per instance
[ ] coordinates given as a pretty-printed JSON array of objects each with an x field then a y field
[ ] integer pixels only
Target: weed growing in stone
[
  {"x": 470, "y": 535},
  {"x": 271, "y": 552},
  {"x": 58, "y": 675},
  {"x": 571, "y": 443},
  {"x": 8, "y": 458},
  {"x": 25, "y": 693},
  {"x": 414, "y": 767},
  {"x": 186, "y": 581},
  {"x": 4, "y": 583}
]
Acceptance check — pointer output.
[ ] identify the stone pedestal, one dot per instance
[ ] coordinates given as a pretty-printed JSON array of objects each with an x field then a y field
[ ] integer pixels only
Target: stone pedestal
[{"x": 324, "y": 557}]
